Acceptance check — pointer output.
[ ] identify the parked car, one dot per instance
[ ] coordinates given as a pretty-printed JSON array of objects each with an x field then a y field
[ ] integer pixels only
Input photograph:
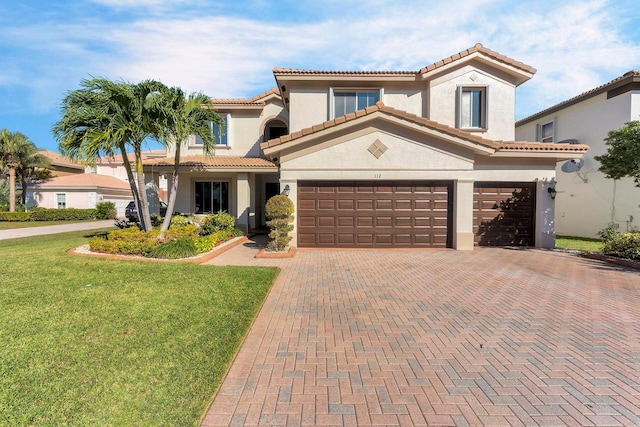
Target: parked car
[{"x": 132, "y": 213}]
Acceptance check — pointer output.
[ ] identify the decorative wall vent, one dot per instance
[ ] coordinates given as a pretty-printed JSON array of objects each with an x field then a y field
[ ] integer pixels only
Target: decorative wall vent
[{"x": 377, "y": 148}]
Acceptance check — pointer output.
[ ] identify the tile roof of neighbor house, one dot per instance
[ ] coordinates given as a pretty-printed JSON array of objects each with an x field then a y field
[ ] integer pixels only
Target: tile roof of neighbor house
[
  {"x": 476, "y": 48},
  {"x": 631, "y": 78},
  {"x": 117, "y": 159},
  {"x": 379, "y": 107},
  {"x": 60, "y": 160},
  {"x": 85, "y": 180},
  {"x": 215, "y": 161},
  {"x": 256, "y": 100}
]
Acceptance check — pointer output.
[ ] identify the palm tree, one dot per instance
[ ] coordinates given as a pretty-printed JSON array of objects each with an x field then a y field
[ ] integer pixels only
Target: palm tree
[
  {"x": 18, "y": 156},
  {"x": 182, "y": 117},
  {"x": 105, "y": 117}
]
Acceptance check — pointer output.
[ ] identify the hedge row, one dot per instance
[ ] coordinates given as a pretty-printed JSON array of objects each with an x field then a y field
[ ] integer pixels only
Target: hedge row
[{"x": 40, "y": 214}]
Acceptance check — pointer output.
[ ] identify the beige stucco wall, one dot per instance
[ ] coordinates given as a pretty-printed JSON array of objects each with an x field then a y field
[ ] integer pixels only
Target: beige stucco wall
[
  {"x": 500, "y": 107},
  {"x": 586, "y": 201},
  {"x": 308, "y": 107},
  {"x": 79, "y": 199}
]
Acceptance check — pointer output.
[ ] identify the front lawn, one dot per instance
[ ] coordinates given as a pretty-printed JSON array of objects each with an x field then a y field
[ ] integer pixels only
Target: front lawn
[
  {"x": 579, "y": 243},
  {"x": 89, "y": 341}
]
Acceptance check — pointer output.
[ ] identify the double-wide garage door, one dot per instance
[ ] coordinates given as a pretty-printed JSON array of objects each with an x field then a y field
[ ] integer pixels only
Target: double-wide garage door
[{"x": 374, "y": 214}]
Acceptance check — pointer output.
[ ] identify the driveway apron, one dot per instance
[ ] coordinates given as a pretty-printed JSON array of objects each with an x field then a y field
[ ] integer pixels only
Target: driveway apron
[{"x": 501, "y": 337}]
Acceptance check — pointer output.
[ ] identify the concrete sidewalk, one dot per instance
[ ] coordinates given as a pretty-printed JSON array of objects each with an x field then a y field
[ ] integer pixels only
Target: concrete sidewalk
[{"x": 53, "y": 229}]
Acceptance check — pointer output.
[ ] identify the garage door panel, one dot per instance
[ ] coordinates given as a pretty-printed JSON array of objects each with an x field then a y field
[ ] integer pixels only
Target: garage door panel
[
  {"x": 504, "y": 214},
  {"x": 372, "y": 214}
]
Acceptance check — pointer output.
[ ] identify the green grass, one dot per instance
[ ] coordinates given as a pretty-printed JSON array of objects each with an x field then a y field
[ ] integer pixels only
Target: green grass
[
  {"x": 90, "y": 341},
  {"x": 9, "y": 225},
  {"x": 579, "y": 243}
]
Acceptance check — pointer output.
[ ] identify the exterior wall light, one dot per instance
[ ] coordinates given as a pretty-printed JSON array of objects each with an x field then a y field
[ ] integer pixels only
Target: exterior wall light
[
  {"x": 285, "y": 191},
  {"x": 552, "y": 192}
]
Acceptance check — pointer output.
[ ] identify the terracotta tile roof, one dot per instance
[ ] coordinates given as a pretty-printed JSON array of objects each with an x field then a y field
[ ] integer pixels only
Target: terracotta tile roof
[
  {"x": 91, "y": 180},
  {"x": 117, "y": 159},
  {"x": 628, "y": 77},
  {"x": 447, "y": 130},
  {"x": 480, "y": 49},
  {"x": 296, "y": 71},
  {"x": 215, "y": 161},
  {"x": 60, "y": 160},
  {"x": 256, "y": 100}
]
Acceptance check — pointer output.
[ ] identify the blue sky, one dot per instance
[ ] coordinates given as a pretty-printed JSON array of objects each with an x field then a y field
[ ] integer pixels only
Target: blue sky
[{"x": 228, "y": 49}]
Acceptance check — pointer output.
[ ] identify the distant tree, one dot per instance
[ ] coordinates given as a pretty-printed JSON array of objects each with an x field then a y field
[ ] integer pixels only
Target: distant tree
[
  {"x": 105, "y": 117},
  {"x": 185, "y": 116},
  {"x": 20, "y": 158},
  {"x": 622, "y": 158}
]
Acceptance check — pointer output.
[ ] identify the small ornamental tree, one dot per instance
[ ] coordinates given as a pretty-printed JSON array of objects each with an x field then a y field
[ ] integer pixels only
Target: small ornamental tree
[
  {"x": 623, "y": 154},
  {"x": 279, "y": 209}
]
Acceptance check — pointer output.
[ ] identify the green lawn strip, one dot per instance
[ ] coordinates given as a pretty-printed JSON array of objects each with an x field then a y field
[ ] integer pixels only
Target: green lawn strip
[
  {"x": 9, "y": 225},
  {"x": 90, "y": 341},
  {"x": 579, "y": 243}
]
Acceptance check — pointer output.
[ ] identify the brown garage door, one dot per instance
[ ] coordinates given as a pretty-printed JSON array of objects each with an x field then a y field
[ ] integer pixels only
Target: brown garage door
[
  {"x": 374, "y": 214},
  {"x": 504, "y": 214}
]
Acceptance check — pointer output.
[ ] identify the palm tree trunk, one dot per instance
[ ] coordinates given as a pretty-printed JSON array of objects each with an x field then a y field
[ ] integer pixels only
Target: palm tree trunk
[
  {"x": 143, "y": 212},
  {"x": 12, "y": 189},
  {"x": 132, "y": 181},
  {"x": 173, "y": 194}
]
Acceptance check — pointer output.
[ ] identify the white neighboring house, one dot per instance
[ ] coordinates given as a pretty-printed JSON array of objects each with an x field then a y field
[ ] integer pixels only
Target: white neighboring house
[
  {"x": 587, "y": 202},
  {"x": 82, "y": 191}
]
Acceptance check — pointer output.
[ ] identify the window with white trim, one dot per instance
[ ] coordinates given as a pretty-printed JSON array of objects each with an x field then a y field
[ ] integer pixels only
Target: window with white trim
[
  {"x": 545, "y": 132},
  {"x": 472, "y": 107},
  {"x": 61, "y": 200},
  {"x": 345, "y": 101},
  {"x": 220, "y": 133}
]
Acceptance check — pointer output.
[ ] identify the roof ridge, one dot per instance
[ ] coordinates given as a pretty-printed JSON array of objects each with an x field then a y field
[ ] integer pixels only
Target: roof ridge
[{"x": 478, "y": 47}]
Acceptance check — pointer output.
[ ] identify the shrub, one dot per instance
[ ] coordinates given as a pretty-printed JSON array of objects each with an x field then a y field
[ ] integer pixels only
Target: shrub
[
  {"x": 178, "y": 232},
  {"x": 181, "y": 220},
  {"x": 106, "y": 210},
  {"x": 156, "y": 220},
  {"x": 128, "y": 241},
  {"x": 15, "y": 216},
  {"x": 624, "y": 245},
  {"x": 216, "y": 222},
  {"x": 68, "y": 214},
  {"x": 280, "y": 211},
  {"x": 175, "y": 249},
  {"x": 607, "y": 234}
]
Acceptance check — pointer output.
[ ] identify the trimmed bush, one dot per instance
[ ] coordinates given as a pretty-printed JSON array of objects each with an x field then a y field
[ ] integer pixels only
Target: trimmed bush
[
  {"x": 280, "y": 211},
  {"x": 15, "y": 216},
  {"x": 127, "y": 241},
  {"x": 178, "y": 232},
  {"x": 216, "y": 222},
  {"x": 106, "y": 210},
  {"x": 43, "y": 214},
  {"x": 624, "y": 245}
]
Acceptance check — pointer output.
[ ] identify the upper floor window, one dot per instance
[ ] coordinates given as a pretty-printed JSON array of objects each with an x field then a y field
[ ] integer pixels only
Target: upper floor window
[
  {"x": 472, "y": 107},
  {"x": 220, "y": 133},
  {"x": 349, "y": 101},
  {"x": 545, "y": 132}
]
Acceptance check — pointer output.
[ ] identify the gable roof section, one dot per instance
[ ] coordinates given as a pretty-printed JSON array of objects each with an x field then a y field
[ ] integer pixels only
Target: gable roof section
[
  {"x": 57, "y": 159},
  {"x": 85, "y": 180},
  {"x": 487, "y": 146},
  {"x": 626, "y": 82},
  {"x": 475, "y": 51}
]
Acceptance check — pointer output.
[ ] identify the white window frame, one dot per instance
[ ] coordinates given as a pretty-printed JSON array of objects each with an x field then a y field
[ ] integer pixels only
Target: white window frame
[
  {"x": 197, "y": 142},
  {"x": 333, "y": 90},
  {"x": 484, "y": 107},
  {"x": 540, "y": 132},
  {"x": 57, "y": 201}
]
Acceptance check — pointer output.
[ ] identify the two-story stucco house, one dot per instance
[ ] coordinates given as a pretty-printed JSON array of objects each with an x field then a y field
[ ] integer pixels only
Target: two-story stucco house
[
  {"x": 586, "y": 201},
  {"x": 423, "y": 158}
]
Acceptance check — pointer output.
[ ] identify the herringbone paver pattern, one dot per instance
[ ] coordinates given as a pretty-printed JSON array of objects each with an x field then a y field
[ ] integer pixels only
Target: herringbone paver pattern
[{"x": 493, "y": 337}]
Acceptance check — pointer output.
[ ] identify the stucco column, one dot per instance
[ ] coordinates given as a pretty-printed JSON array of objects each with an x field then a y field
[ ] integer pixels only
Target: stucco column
[
  {"x": 293, "y": 195},
  {"x": 243, "y": 200},
  {"x": 463, "y": 215},
  {"x": 252, "y": 200},
  {"x": 545, "y": 215}
]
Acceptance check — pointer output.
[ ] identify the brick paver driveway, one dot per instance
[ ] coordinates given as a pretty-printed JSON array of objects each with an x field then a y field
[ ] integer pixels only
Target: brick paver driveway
[{"x": 415, "y": 337}]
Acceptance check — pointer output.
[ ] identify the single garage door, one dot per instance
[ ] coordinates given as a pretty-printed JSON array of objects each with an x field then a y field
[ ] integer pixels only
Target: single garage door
[
  {"x": 504, "y": 214},
  {"x": 374, "y": 214}
]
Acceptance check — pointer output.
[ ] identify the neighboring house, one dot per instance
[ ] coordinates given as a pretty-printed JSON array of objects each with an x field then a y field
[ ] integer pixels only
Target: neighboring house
[
  {"x": 61, "y": 165},
  {"x": 81, "y": 191},
  {"x": 586, "y": 201},
  {"x": 423, "y": 158}
]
